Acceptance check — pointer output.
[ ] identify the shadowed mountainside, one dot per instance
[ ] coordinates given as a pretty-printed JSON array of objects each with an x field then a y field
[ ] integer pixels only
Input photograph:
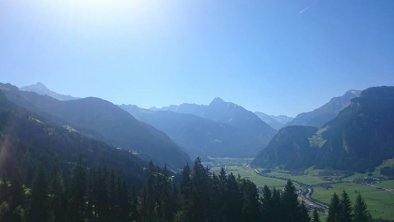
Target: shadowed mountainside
[
  {"x": 103, "y": 121},
  {"x": 325, "y": 113},
  {"x": 359, "y": 138},
  {"x": 28, "y": 141},
  {"x": 221, "y": 129}
]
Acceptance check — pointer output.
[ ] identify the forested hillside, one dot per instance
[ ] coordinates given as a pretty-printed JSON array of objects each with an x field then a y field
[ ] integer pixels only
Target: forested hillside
[
  {"x": 195, "y": 195},
  {"x": 99, "y": 119},
  {"x": 359, "y": 138},
  {"x": 27, "y": 141}
]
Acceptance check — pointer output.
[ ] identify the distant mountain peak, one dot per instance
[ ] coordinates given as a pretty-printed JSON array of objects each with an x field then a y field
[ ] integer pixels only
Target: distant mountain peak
[
  {"x": 41, "y": 89},
  {"x": 220, "y": 129},
  {"x": 40, "y": 84},
  {"x": 353, "y": 92},
  {"x": 217, "y": 100},
  {"x": 274, "y": 121},
  {"x": 358, "y": 138},
  {"x": 323, "y": 114}
]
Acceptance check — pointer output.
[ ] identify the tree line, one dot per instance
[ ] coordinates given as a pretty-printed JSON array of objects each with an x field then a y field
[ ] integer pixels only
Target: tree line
[
  {"x": 341, "y": 210},
  {"x": 194, "y": 195}
]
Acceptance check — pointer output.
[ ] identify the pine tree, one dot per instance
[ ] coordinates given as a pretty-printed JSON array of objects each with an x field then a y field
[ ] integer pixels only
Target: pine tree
[
  {"x": 58, "y": 199},
  {"x": 220, "y": 194},
  {"x": 303, "y": 215},
  {"x": 222, "y": 177},
  {"x": 166, "y": 202},
  {"x": 315, "y": 216},
  {"x": 101, "y": 195},
  {"x": 146, "y": 206},
  {"x": 77, "y": 207},
  {"x": 200, "y": 190},
  {"x": 233, "y": 200},
  {"x": 199, "y": 196},
  {"x": 251, "y": 205},
  {"x": 17, "y": 208},
  {"x": 125, "y": 206},
  {"x": 277, "y": 214},
  {"x": 345, "y": 214},
  {"x": 39, "y": 198},
  {"x": 134, "y": 214},
  {"x": 266, "y": 204},
  {"x": 185, "y": 213},
  {"x": 334, "y": 209},
  {"x": 290, "y": 202},
  {"x": 361, "y": 213},
  {"x": 113, "y": 203},
  {"x": 90, "y": 206},
  {"x": 216, "y": 200}
]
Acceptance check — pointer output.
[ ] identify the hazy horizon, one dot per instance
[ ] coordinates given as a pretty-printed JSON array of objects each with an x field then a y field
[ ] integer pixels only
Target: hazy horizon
[
  {"x": 185, "y": 102},
  {"x": 277, "y": 57}
]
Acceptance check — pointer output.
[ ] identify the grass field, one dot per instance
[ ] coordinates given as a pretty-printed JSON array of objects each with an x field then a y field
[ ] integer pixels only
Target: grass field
[
  {"x": 387, "y": 184},
  {"x": 305, "y": 179},
  {"x": 380, "y": 202},
  {"x": 379, "y": 196}
]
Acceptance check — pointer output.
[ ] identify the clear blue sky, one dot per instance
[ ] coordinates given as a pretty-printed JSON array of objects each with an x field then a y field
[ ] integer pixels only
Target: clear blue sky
[{"x": 275, "y": 56}]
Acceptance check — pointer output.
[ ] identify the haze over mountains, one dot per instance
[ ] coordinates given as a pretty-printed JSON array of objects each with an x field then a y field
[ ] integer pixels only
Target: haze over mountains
[
  {"x": 351, "y": 132},
  {"x": 30, "y": 141},
  {"x": 220, "y": 129},
  {"x": 251, "y": 134},
  {"x": 275, "y": 122},
  {"x": 41, "y": 89},
  {"x": 102, "y": 120},
  {"x": 325, "y": 113}
]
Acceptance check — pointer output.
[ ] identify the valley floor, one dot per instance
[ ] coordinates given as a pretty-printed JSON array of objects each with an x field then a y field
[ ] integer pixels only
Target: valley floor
[{"x": 316, "y": 187}]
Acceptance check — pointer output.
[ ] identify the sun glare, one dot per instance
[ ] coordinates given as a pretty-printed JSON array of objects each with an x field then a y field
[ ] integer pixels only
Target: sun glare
[
  {"x": 102, "y": 6},
  {"x": 97, "y": 9}
]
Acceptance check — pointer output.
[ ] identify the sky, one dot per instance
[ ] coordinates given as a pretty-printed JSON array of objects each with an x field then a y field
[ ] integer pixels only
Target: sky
[{"x": 274, "y": 56}]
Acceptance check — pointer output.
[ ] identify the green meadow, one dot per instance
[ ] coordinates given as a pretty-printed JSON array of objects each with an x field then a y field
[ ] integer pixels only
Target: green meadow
[{"x": 379, "y": 195}]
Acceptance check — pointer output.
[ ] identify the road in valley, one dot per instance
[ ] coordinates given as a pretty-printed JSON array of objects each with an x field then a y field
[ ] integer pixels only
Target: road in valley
[{"x": 304, "y": 194}]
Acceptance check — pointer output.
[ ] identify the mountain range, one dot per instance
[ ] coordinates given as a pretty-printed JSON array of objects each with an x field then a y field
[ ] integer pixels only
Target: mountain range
[
  {"x": 220, "y": 129},
  {"x": 104, "y": 121},
  {"x": 325, "y": 113},
  {"x": 276, "y": 122},
  {"x": 28, "y": 141},
  {"x": 351, "y": 132},
  {"x": 41, "y": 89},
  {"x": 225, "y": 112},
  {"x": 359, "y": 138}
]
